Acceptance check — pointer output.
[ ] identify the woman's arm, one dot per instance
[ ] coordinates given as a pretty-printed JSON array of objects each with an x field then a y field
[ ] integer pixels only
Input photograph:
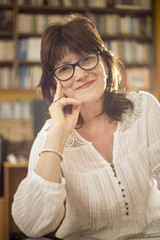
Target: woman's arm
[
  {"x": 153, "y": 110},
  {"x": 38, "y": 206}
]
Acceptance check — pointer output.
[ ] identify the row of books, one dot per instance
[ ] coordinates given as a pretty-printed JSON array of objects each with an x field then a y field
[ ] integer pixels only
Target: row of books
[
  {"x": 29, "y": 49},
  {"x": 131, "y": 52},
  {"x": 29, "y": 77},
  {"x": 6, "y": 78},
  {"x": 114, "y": 24},
  {"x": 65, "y": 3},
  {"x": 6, "y": 50},
  {"x": 16, "y": 110},
  {"x": 133, "y": 4},
  {"x": 128, "y": 50},
  {"x": 137, "y": 78},
  {"x": 6, "y": 20},
  {"x": 130, "y": 4},
  {"x": 29, "y": 23}
]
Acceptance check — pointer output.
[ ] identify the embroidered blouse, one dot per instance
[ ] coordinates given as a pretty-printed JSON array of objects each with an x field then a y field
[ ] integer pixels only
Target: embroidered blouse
[{"x": 103, "y": 201}]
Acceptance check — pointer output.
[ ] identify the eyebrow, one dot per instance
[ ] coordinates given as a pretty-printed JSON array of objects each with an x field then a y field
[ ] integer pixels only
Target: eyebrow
[
  {"x": 68, "y": 62},
  {"x": 62, "y": 63}
]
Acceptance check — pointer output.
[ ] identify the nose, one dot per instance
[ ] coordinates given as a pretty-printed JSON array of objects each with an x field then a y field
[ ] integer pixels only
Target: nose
[{"x": 79, "y": 73}]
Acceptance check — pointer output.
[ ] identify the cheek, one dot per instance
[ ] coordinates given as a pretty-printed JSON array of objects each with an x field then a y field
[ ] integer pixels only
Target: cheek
[
  {"x": 67, "y": 84},
  {"x": 67, "y": 87}
]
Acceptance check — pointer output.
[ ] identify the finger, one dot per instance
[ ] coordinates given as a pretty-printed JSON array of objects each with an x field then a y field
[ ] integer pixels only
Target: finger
[
  {"x": 69, "y": 101},
  {"x": 58, "y": 93}
]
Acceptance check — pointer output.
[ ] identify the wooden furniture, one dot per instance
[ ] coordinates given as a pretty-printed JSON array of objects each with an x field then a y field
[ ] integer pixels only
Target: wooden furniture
[
  {"x": 13, "y": 175},
  {"x": 2, "y": 216}
]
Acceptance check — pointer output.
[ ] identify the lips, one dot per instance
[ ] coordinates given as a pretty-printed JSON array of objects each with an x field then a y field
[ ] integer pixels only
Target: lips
[{"x": 85, "y": 85}]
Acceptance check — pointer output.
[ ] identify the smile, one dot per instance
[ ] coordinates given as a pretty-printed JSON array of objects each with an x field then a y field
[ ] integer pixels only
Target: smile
[{"x": 86, "y": 85}]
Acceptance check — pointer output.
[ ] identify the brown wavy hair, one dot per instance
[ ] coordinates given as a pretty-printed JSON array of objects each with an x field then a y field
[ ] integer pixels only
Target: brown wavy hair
[{"x": 78, "y": 35}]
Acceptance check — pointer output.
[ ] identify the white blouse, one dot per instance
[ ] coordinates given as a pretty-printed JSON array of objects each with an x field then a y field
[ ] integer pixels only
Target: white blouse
[{"x": 102, "y": 201}]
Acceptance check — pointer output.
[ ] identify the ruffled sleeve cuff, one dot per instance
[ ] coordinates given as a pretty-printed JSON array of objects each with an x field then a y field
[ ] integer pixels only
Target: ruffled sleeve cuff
[{"x": 47, "y": 186}]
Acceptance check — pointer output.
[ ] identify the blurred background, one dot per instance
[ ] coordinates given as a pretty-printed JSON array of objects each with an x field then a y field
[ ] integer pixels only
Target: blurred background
[{"x": 129, "y": 28}]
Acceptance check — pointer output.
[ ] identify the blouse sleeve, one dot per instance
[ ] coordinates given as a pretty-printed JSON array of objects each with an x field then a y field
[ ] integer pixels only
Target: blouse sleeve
[
  {"x": 153, "y": 109},
  {"x": 38, "y": 206}
]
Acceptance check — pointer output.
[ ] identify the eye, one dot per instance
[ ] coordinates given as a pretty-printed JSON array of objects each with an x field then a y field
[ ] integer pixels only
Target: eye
[
  {"x": 63, "y": 69},
  {"x": 88, "y": 59}
]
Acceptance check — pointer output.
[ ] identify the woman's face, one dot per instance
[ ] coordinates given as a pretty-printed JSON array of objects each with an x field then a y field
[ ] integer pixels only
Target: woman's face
[{"x": 85, "y": 85}]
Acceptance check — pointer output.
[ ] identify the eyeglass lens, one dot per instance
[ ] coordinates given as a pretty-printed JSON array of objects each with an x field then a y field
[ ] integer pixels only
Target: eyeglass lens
[{"x": 88, "y": 62}]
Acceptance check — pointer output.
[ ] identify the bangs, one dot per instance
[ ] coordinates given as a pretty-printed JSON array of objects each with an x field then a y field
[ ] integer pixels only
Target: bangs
[
  {"x": 66, "y": 43},
  {"x": 66, "y": 47}
]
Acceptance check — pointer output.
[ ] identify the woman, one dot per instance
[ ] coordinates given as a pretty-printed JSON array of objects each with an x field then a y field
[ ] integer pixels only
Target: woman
[{"x": 93, "y": 166}]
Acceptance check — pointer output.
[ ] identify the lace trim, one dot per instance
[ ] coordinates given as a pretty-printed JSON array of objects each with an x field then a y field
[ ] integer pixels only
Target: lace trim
[
  {"x": 157, "y": 177},
  {"x": 75, "y": 140},
  {"x": 129, "y": 117}
]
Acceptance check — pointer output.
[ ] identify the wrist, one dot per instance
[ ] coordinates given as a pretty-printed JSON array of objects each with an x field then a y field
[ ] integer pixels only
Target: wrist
[{"x": 56, "y": 139}]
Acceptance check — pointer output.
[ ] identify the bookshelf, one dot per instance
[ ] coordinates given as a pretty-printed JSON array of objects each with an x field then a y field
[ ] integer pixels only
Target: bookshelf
[{"x": 127, "y": 30}]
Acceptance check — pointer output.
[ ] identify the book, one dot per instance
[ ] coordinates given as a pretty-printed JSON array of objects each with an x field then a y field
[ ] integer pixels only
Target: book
[
  {"x": 137, "y": 78},
  {"x": 133, "y": 4},
  {"x": 29, "y": 76},
  {"x": 33, "y": 49}
]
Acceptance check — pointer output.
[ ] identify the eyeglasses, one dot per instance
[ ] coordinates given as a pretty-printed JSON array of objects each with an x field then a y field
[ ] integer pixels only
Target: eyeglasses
[{"x": 87, "y": 62}]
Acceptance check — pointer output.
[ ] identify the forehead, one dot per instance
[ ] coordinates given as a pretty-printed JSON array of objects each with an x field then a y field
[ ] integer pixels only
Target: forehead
[{"x": 69, "y": 57}]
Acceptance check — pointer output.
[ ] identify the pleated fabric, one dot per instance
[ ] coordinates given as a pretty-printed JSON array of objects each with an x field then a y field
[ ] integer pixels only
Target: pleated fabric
[{"x": 114, "y": 201}]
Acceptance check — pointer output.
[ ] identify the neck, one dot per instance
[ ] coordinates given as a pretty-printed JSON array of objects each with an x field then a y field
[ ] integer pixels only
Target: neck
[{"x": 90, "y": 112}]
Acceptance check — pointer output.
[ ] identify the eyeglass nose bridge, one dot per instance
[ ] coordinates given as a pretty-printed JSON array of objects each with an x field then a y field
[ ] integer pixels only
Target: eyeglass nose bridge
[{"x": 76, "y": 64}]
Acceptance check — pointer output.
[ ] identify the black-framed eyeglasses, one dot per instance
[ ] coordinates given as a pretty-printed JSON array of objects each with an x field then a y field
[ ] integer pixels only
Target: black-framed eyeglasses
[{"x": 87, "y": 62}]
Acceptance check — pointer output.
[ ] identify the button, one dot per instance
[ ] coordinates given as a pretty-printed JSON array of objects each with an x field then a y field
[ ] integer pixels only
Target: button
[{"x": 112, "y": 165}]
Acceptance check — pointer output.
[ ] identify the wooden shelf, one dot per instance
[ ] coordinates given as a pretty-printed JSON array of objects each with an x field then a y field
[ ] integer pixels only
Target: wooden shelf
[
  {"x": 15, "y": 165},
  {"x": 120, "y": 36},
  {"x": 29, "y": 63},
  {"x": 50, "y": 9},
  {"x": 6, "y": 63},
  {"x": 6, "y": 34},
  {"x": 12, "y": 95},
  {"x": 13, "y": 175},
  {"x": 6, "y": 6}
]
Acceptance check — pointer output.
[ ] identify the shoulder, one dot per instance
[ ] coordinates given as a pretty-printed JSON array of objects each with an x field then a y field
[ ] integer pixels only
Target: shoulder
[
  {"x": 146, "y": 107},
  {"x": 143, "y": 100}
]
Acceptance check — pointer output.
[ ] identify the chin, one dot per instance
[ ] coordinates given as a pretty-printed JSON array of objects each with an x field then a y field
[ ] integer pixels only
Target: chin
[{"x": 90, "y": 99}]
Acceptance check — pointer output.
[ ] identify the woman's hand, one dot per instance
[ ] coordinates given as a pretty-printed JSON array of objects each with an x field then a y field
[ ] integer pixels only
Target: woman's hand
[{"x": 63, "y": 120}]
